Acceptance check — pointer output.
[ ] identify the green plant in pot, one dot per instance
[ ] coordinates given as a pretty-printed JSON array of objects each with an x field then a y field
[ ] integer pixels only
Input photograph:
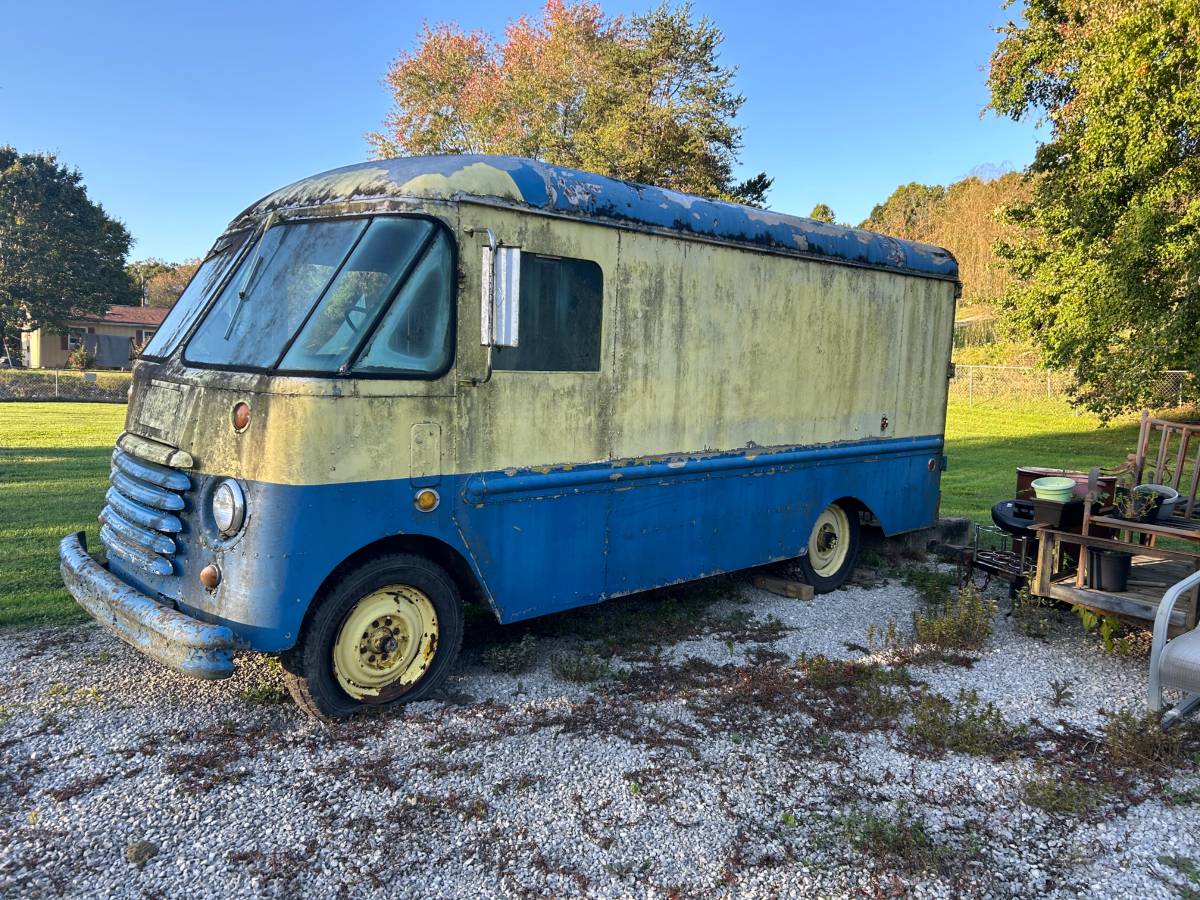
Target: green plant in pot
[{"x": 1136, "y": 503}]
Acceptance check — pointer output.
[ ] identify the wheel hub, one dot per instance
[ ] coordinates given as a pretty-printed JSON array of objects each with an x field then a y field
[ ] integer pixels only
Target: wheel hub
[
  {"x": 386, "y": 643},
  {"x": 827, "y": 544}
]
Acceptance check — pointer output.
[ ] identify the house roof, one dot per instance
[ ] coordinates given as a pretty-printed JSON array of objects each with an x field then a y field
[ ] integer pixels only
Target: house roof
[
  {"x": 128, "y": 315},
  {"x": 525, "y": 183}
]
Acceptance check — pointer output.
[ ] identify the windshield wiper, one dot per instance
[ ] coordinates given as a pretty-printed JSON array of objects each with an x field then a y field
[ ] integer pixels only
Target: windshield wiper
[{"x": 248, "y": 279}]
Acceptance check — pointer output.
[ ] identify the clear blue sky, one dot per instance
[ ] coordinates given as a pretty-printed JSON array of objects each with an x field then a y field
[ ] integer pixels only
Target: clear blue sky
[{"x": 180, "y": 115}]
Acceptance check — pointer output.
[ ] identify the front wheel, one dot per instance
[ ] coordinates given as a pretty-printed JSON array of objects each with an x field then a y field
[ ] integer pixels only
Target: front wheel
[
  {"x": 383, "y": 634},
  {"x": 832, "y": 549}
]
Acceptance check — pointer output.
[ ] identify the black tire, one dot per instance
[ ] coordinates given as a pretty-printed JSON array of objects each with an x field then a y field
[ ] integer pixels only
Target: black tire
[
  {"x": 826, "y": 580},
  {"x": 309, "y": 666}
]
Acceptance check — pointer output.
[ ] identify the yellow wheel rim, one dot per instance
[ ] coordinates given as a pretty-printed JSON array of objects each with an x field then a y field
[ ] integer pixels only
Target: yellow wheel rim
[
  {"x": 386, "y": 643},
  {"x": 830, "y": 541}
]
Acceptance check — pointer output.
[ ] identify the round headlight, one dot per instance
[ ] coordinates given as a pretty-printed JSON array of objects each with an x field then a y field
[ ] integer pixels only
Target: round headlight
[{"x": 229, "y": 507}]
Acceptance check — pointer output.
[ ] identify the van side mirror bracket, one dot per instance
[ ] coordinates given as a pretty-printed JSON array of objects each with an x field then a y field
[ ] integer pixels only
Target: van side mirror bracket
[{"x": 499, "y": 312}]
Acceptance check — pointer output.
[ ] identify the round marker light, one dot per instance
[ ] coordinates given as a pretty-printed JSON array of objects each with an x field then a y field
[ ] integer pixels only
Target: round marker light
[
  {"x": 241, "y": 416},
  {"x": 228, "y": 507},
  {"x": 210, "y": 576},
  {"x": 426, "y": 500}
]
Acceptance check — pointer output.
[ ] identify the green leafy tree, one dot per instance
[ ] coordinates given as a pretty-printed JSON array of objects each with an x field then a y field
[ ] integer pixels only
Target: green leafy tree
[
  {"x": 59, "y": 251},
  {"x": 644, "y": 98},
  {"x": 143, "y": 270},
  {"x": 1108, "y": 265},
  {"x": 822, "y": 212},
  {"x": 909, "y": 211}
]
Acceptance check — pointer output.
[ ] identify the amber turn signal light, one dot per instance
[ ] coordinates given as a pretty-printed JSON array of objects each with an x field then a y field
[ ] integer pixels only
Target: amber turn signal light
[
  {"x": 210, "y": 576},
  {"x": 426, "y": 500},
  {"x": 241, "y": 416}
]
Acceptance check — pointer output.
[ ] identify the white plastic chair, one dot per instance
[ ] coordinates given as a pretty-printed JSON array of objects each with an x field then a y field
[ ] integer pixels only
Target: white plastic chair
[{"x": 1175, "y": 664}]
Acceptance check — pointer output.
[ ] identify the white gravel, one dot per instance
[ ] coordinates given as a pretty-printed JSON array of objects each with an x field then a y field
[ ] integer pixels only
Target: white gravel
[{"x": 530, "y": 785}]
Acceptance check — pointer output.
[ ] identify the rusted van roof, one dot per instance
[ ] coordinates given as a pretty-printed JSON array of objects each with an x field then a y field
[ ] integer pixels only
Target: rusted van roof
[{"x": 553, "y": 190}]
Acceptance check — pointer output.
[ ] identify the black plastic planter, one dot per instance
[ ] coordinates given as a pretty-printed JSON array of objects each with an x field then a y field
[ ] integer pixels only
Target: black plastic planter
[
  {"x": 1056, "y": 514},
  {"x": 1108, "y": 570}
]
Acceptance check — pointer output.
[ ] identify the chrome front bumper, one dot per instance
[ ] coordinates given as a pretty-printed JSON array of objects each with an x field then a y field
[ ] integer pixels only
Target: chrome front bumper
[{"x": 176, "y": 640}]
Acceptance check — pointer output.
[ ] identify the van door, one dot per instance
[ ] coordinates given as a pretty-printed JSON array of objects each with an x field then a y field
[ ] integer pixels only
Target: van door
[{"x": 534, "y": 429}]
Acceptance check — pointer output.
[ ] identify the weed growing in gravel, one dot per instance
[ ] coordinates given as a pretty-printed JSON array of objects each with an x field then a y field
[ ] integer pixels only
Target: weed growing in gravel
[
  {"x": 933, "y": 586},
  {"x": 962, "y": 727},
  {"x": 1031, "y": 615},
  {"x": 582, "y": 666},
  {"x": 263, "y": 694},
  {"x": 1190, "y": 797},
  {"x": 1190, "y": 890},
  {"x": 78, "y": 786},
  {"x": 963, "y": 624},
  {"x": 1108, "y": 627},
  {"x": 1138, "y": 741},
  {"x": 516, "y": 783},
  {"x": 739, "y": 627},
  {"x": 879, "y": 692},
  {"x": 513, "y": 658},
  {"x": 1063, "y": 795},
  {"x": 79, "y": 697},
  {"x": 1061, "y": 693},
  {"x": 902, "y": 841}
]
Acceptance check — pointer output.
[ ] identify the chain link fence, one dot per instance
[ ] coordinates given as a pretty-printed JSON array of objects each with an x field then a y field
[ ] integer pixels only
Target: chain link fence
[
  {"x": 1018, "y": 384},
  {"x": 64, "y": 384},
  {"x": 973, "y": 384}
]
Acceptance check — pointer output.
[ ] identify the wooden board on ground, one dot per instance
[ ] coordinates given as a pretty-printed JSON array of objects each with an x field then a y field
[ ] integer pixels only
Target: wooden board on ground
[{"x": 784, "y": 587}]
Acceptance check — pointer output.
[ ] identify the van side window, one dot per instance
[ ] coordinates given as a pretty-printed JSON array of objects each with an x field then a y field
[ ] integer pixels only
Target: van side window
[{"x": 561, "y": 304}]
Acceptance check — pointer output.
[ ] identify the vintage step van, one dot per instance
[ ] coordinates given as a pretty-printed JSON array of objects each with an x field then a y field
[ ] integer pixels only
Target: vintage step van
[{"x": 402, "y": 385}]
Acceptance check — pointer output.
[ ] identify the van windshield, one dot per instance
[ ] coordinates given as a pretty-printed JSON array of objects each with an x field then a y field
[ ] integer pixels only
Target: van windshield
[
  {"x": 307, "y": 296},
  {"x": 191, "y": 302}
]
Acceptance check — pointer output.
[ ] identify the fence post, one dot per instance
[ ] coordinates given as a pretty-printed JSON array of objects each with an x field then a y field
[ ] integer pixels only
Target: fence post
[
  {"x": 56, "y": 384},
  {"x": 971, "y": 386}
]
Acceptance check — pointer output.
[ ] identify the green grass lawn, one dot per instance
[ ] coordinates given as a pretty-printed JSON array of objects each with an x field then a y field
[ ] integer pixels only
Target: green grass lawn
[
  {"x": 986, "y": 443},
  {"x": 54, "y": 460}
]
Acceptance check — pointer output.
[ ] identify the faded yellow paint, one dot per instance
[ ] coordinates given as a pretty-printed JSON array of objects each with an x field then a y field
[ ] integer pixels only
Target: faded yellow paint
[
  {"x": 478, "y": 179},
  {"x": 705, "y": 348}
]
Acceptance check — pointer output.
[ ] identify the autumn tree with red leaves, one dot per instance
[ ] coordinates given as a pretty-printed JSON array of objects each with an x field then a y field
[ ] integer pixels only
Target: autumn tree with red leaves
[{"x": 643, "y": 99}]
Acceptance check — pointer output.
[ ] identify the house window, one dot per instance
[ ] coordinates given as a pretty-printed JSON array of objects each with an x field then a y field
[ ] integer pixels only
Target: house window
[
  {"x": 559, "y": 329},
  {"x": 73, "y": 339}
]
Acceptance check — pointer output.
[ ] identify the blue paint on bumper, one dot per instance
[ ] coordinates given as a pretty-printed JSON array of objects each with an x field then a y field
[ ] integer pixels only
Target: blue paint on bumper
[{"x": 174, "y": 639}]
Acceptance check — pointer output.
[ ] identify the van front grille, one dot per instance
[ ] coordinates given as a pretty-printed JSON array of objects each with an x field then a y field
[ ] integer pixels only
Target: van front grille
[{"x": 141, "y": 521}]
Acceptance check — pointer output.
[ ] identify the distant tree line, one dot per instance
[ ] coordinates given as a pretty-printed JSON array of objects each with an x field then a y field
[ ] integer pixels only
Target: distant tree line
[{"x": 968, "y": 218}]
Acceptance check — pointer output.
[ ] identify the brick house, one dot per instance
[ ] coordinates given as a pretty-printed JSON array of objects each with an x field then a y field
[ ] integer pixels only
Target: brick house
[{"x": 113, "y": 338}]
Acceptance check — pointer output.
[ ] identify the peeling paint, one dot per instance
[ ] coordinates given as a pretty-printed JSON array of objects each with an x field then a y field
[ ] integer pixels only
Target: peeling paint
[{"x": 555, "y": 190}]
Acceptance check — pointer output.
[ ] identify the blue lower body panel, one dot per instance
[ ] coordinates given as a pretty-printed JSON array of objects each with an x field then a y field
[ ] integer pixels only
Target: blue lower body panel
[{"x": 544, "y": 541}]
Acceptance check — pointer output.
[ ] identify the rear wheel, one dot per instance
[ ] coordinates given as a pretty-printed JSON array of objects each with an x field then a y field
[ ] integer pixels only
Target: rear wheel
[
  {"x": 832, "y": 548},
  {"x": 383, "y": 634}
]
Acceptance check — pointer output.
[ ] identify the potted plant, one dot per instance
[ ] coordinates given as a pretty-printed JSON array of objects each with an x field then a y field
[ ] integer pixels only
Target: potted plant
[
  {"x": 1136, "y": 503},
  {"x": 1167, "y": 498}
]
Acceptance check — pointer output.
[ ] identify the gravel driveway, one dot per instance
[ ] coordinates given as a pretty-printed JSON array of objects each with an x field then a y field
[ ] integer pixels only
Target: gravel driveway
[{"x": 699, "y": 762}]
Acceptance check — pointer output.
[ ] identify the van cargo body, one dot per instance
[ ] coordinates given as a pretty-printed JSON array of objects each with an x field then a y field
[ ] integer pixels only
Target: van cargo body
[{"x": 693, "y": 385}]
